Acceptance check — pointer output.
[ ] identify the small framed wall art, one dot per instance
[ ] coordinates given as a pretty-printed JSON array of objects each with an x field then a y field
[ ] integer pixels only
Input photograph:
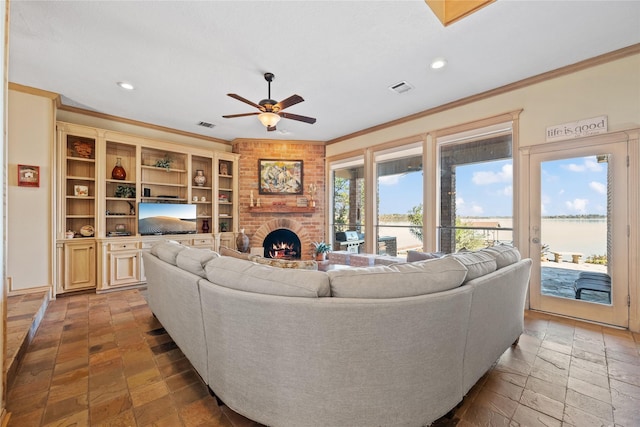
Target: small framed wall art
[
  {"x": 80, "y": 190},
  {"x": 28, "y": 176},
  {"x": 280, "y": 176}
]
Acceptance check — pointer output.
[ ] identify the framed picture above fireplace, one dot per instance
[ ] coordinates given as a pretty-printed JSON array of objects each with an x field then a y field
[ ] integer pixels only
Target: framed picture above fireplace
[{"x": 280, "y": 176}]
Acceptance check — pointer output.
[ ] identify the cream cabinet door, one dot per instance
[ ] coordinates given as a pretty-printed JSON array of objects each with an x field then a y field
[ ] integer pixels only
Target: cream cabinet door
[
  {"x": 124, "y": 268},
  {"x": 80, "y": 265}
]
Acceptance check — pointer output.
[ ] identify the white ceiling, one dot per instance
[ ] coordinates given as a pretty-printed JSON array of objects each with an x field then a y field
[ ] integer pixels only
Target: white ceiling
[{"x": 184, "y": 56}]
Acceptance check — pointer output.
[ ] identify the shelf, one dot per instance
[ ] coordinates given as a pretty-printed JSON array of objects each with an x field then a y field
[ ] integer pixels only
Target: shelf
[
  {"x": 120, "y": 181},
  {"x": 161, "y": 184},
  {"x": 124, "y": 199},
  {"x": 282, "y": 209},
  {"x": 119, "y": 216},
  {"x": 155, "y": 168},
  {"x": 165, "y": 199},
  {"x": 204, "y": 216},
  {"x": 81, "y": 197},
  {"x": 225, "y": 189},
  {"x": 197, "y": 187},
  {"x": 81, "y": 159},
  {"x": 80, "y": 216},
  {"x": 80, "y": 178}
]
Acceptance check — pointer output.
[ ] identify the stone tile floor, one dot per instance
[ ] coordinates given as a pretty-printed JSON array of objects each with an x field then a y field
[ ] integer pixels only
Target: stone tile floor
[
  {"x": 557, "y": 280},
  {"x": 104, "y": 360}
]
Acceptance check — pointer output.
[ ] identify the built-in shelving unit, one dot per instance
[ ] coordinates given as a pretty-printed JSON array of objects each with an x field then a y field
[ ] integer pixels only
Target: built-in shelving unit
[
  {"x": 80, "y": 186},
  {"x": 91, "y": 194}
]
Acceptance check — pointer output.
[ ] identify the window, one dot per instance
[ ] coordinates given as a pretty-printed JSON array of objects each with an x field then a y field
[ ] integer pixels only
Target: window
[
  {"x": 476, "y": 190},
  {"x": 348, "y": 204},
  {"x": 399, "y": 182}
]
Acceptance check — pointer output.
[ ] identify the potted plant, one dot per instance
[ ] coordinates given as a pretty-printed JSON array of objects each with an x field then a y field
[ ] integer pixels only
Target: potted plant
[
  {"x": 321, "y": 250},
  {"x": 165, "y": 162},
  {"x": 125, "y": 191}
]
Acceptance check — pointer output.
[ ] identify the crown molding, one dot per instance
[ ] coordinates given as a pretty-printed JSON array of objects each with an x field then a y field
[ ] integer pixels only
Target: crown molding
[{"x": 569, "y": 69}]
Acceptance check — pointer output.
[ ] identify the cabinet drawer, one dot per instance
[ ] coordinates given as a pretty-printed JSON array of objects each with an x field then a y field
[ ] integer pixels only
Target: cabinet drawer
[
  {"x": 123, "y": 246},
  {"x": 203, "y": 242}
]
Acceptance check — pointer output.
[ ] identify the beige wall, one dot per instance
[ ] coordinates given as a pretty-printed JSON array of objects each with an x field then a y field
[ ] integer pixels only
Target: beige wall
[
  {"x": 31, "y": 141},
  {"x": 611, "y": 89},
  {"x": 148, "y": 132},
  {"x": 29, "y": 209}
]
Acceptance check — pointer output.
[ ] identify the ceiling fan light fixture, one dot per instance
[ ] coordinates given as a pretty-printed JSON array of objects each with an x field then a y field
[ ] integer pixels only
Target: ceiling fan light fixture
[{"x": 268, "y": 119}]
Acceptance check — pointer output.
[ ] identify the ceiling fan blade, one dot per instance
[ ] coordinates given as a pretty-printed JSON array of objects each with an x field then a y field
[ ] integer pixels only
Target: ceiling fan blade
[
  {"x": 305, "y": 119},
  {"x": 246, "y": 101},
  {"x": 285, "y": 103},
  {"x": 271, "y": 128},
  {"x": 231, "y": 116}
]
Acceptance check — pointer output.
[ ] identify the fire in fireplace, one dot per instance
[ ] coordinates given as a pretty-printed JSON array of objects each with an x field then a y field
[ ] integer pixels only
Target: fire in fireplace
[{"x": 283, "y": 244}]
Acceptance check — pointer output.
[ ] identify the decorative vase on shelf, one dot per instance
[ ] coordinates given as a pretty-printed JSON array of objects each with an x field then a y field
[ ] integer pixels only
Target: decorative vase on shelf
[
  {"x": 200, "y": 179},
  {"x": 205, "y": 225},
  {"x": 118, "y": 171},
  {"x": 242, "y": 241}
]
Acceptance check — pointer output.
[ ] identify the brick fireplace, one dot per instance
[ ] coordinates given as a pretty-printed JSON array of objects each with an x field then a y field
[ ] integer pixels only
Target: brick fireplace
[{"x": 281, "y": 211}]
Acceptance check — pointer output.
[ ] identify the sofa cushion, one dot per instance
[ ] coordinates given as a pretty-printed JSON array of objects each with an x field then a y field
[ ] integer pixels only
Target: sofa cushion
[
  {"x": 193, "y": 260},
  {"x": 397, "y": 280},
  {"x": 225, "y": 251},
  {"x": 167, "y": 250},
  {"x": 478, "y": 263},
  {"x": 413, "y": 256},
  {"x": 505, "y": 255},
  {"x": 247, "y": 276},
  {"x": 284, "y": 263}
]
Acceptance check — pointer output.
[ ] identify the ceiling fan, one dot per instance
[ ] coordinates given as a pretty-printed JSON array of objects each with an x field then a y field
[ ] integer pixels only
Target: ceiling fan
[{"x": 271, "y": 111}]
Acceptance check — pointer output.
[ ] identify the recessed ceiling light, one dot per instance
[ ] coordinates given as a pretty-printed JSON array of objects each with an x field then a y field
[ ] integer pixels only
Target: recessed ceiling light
[
  {"x": 438, "y": 63},
  {"x": 125, "y": 85}
]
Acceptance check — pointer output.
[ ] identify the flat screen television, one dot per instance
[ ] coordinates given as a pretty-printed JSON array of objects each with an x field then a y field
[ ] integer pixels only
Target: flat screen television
[{"x": 166, "y": 218}]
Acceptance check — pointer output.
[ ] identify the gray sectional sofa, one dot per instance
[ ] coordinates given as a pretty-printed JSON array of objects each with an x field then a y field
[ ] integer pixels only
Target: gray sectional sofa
[{"x": 396, "y": 345}]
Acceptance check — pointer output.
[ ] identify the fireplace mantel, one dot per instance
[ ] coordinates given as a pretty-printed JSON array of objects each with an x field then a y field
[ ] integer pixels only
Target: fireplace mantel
[{"x": 282, "y": 209}]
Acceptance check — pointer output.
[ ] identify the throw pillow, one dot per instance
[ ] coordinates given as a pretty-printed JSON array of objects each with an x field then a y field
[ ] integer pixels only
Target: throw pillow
[
  {"x": 225, "y": 251},
  {"x": 420, "y": 256},
  {"x": 397, "y": 280},
  {"x": 167, "y": 250},
  {"x": 478, "y": 263},
  {"x": 247, "y": 276},
  {"x": 505, "y": 255},
  {"x": 193, "y": 260}
]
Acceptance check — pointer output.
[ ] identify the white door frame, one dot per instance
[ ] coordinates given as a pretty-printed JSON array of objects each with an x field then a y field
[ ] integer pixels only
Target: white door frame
[{"x": 618, "y": 312}]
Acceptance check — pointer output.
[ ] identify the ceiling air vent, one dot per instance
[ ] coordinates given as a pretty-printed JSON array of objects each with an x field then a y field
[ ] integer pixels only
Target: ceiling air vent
[
  {"x": 401, "y": 87},
  {"x": 206, "y": 124}
]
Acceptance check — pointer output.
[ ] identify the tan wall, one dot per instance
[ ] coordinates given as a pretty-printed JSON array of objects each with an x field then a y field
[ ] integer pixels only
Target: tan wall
[
  {"x": 145, "y": 131},
  {"x": 29, "y": 209},
  {"x": 31, "y": 138},
  {"x": 611, "y": 89}
]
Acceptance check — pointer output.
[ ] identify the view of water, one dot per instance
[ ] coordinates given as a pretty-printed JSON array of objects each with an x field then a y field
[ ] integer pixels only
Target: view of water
[{"x": 588, "y": 236}]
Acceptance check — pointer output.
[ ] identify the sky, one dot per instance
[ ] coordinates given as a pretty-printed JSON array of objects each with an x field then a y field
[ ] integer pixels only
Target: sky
[
  {"x": 574, "y": 186},
  {"x": 167, "y": 209}
]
